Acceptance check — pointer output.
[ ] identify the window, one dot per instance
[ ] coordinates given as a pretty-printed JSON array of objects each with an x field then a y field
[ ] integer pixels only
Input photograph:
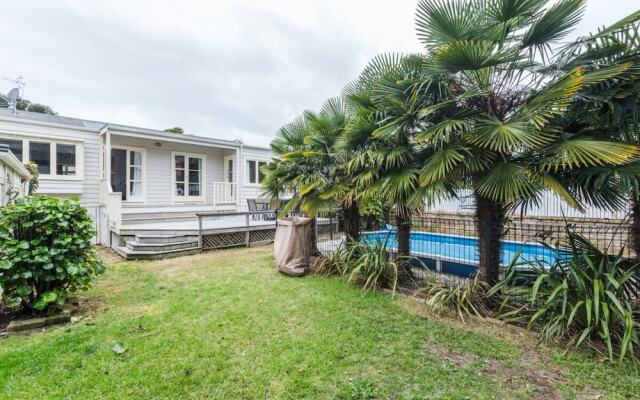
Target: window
[
  {"x": 54, "y": 158},
  {"x": 195, "y": 176},
  {"x": 252, "y": 171},
  {"x": 255, "y": 174},
  {"x": 188, "y": 176},
  {"x": 14, "y": 145},
  {"x": 65, "y": 159},
  {"x": 40, "y": 153},
  {"x": 135, "y": 173}
]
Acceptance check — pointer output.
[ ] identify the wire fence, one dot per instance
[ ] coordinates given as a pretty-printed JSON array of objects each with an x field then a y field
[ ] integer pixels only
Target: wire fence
[{"x": 447, "y": 246}]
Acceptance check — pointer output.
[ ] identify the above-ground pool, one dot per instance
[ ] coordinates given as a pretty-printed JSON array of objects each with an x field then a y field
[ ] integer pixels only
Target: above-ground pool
[{"x": 458, "y": 255}]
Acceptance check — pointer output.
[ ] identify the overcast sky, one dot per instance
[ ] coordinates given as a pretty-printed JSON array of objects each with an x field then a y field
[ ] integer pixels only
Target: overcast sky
[{"x": 224, "y": 68}]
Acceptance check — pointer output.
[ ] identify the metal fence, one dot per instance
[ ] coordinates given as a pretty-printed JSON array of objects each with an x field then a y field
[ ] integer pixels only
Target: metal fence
[{"x": 446, "y": 245}]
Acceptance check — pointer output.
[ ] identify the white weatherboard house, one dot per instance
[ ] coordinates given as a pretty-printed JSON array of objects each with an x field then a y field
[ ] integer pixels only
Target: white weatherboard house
[{"x": 143, "y": 187}]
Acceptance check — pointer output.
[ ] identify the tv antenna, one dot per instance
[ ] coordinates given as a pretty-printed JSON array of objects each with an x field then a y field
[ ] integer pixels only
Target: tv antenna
[{"x": 16, "y": 92}]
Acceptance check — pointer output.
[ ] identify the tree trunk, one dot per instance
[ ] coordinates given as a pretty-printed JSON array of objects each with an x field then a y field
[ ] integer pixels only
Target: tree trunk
[
  {"x": 403, "y": 235},
  {"x": 314, "y": 239},
  {"x": 490, "y": 224},
  {"x": 351, "y": 215},
  {"x": 634, "y": 230}
]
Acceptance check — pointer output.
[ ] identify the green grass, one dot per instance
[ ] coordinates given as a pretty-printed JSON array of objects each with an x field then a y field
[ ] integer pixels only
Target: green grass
[{"x": 225, "y": 325}]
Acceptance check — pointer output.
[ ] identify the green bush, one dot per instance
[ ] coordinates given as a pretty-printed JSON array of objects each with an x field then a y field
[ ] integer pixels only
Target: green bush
[
  {"x": 45, "y": 251},
  {"x": 370, "y": 265},
  {"x": 587, "y": 297},
  {"x": 470, "y": 298}
]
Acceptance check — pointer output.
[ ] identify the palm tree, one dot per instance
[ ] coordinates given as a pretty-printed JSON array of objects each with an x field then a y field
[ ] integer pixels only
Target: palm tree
[
  {"x": 388, "y": 99},
  {"x": 498, "y": 133},
  {"x": 609, "y": 109},
  {"x": 309, "y": 168}
]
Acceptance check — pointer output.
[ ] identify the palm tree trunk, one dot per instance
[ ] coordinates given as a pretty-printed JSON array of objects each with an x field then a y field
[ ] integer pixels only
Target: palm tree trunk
[
  {"x": 403, "y": 235},
  {"x": 490, "y": 224},
  {"x": 351, "y": 215},
  {"x": 314, "y": 239},
  {"x": 634, "y": 230}
]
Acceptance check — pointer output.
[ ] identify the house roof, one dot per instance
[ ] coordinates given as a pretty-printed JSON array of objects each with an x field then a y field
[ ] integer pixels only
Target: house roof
[{"x": 97, "y": 126}]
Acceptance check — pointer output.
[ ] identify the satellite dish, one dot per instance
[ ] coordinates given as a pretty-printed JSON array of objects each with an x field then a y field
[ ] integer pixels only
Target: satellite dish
[{"x": 12, "y": 98}]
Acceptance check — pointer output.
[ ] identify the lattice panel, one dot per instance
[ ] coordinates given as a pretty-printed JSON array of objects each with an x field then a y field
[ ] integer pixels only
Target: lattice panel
[
  {"x": 262, "y": 236},
  {"x": 220, "y": 240}
]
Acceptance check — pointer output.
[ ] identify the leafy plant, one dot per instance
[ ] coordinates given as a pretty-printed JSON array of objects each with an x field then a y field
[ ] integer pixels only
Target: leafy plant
[
  {"x": 34, "y": 182},
  {"x": 587, "y": 297},
  {"x": 370, "y": 265},
  {"x": 467, "y": 299},
  {"x": 45, "y": 251},
  {"x": 331, "y": 264}
]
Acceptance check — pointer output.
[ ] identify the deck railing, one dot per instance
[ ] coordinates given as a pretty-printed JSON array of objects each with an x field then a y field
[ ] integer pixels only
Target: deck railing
[
  {"x": 257, "y": 227},
  {"x": 224, "y": 193}
]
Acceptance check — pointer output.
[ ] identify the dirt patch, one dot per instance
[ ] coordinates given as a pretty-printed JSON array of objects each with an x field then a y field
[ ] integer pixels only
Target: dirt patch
[
  {"x": 108, "y": 255},
  {"x": 526, "y": 373}
]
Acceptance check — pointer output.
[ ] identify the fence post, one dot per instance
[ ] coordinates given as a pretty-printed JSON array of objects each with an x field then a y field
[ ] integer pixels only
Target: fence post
[
  {"x": 200, "y": 233},
  {"x": 330, "y": 227},
  {"x": 246, "y": 233}
]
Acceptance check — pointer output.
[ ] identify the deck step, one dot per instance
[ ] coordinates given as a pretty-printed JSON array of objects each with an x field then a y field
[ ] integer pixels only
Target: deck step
[
  {"x": 160, "y": 247},
  {"x": 129, "y": 254},
  {"x": 164, "y": 239}
]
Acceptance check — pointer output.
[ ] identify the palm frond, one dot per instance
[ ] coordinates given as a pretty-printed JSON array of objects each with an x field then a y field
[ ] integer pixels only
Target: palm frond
[{"x": 554, "y": 24}]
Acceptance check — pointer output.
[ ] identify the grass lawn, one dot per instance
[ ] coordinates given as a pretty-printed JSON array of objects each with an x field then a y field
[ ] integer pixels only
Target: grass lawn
[{"x": 225, "y": 325}]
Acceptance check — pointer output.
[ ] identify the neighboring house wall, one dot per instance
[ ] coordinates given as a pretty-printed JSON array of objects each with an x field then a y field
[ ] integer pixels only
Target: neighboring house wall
[{"x": 85, "y": 184}]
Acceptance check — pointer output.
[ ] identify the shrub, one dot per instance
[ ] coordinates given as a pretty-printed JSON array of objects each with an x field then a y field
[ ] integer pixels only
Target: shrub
[
  {"x": 467, "y": 299},
  {"x": 45, "y": 251},
  {"x": 370, "y": 265},
  {"x": 587, "y": 297}
]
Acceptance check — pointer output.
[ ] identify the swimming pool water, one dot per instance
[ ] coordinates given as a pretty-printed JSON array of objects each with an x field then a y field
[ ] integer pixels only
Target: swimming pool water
[{"x": 464, "y": 249}]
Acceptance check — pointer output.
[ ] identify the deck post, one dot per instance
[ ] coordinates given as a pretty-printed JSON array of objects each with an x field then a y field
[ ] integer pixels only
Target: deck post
[
  {"x": 200, "y": 232},
  {"x": 246, "y": 233}
]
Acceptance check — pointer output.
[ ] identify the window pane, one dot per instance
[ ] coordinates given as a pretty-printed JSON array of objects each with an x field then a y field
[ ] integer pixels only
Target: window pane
[
  {"x": 260, "y": 173},
  {"x": 135, "y": 158},
  {"x": 179, "y": 161},
  {"x": 14, "y": 145},
  {"x": 194, "y": 176},
  {"x": 135, "y": 188},
  {"x": 195, "y": 163},
  {"x": 194, "y": 189},
  {"x": 179, "y": 189},
  {"x": 40, "y": 153},
  {"x": 179, "y": 175},
  {"x": 230, "y": 170},
  {"x": 65, "y": 159},
  {"x": 135, "y": 173},
  {"x": 251, "y": 166}
]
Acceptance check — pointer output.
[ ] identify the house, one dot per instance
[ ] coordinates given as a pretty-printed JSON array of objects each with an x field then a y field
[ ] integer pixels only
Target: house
[
  {"x": 134, "y": 180},
  {"x": 14, "y": 176}
]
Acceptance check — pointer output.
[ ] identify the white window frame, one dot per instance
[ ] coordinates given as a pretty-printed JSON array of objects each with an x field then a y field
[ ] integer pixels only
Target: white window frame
[
  {"x": 134, "y": 199},
  {"x": 203, "y": 187},
  {"x": 247, "y": 174},
  {"x": 79, "y": 145}
]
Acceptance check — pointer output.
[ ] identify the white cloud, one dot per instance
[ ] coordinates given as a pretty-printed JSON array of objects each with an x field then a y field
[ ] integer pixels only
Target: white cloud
[{"x": 224, "y": 68}]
